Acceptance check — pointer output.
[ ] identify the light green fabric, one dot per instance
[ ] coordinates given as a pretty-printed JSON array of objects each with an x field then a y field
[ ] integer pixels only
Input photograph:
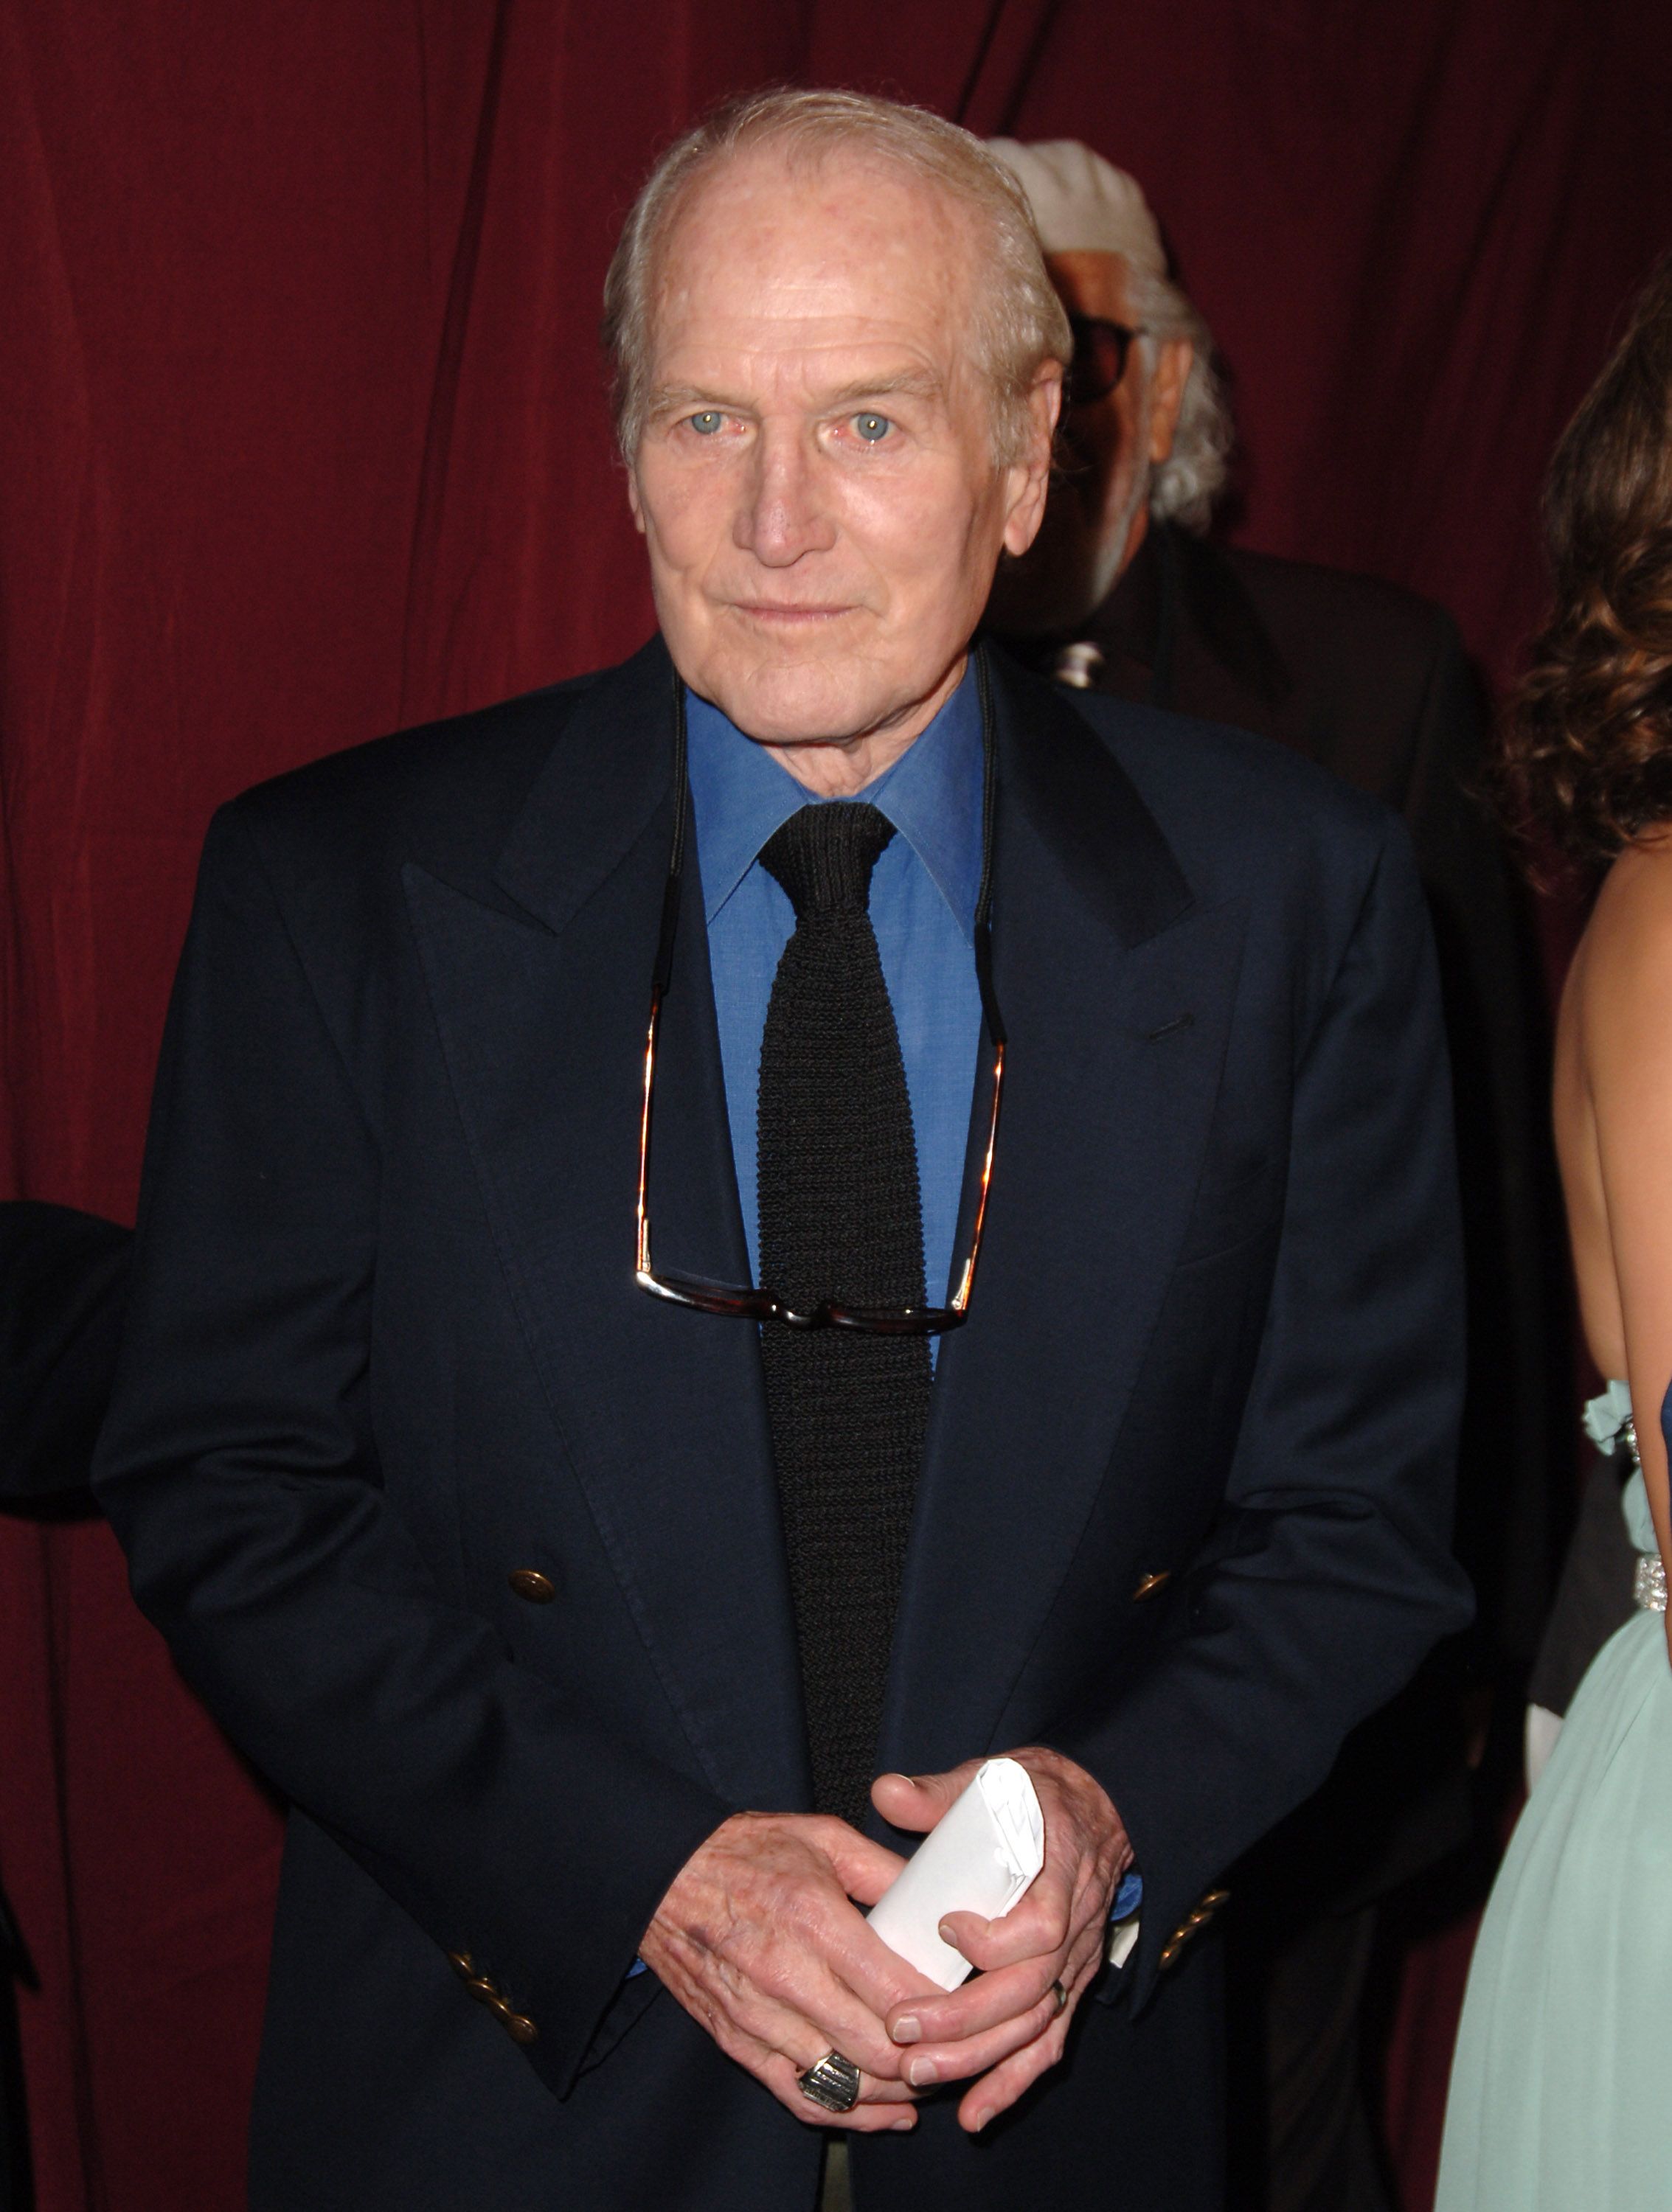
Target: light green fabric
[
  {"x": 1560, "y": 2096},
  {"x": 1640, "y": 1521}
]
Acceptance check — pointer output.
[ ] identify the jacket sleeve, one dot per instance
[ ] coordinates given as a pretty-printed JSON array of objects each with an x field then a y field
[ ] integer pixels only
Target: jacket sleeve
[
  {"x": 62, "y": 1276},
  {"x": 1329, "y": 1575},
  {"x": 239, "y": 1469}
]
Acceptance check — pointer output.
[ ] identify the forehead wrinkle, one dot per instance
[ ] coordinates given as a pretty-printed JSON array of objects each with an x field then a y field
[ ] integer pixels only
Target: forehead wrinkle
[
  {"x": 730, "y": 211},
  {"x": 773, "y": 176}
]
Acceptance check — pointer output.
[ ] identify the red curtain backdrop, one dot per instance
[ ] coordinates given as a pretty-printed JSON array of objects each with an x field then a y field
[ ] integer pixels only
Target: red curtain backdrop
[{"x": 301, "y": 437}]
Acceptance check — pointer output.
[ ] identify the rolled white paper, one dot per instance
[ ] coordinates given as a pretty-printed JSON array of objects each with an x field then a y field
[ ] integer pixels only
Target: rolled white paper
[{"x": 981, "y": 1857}]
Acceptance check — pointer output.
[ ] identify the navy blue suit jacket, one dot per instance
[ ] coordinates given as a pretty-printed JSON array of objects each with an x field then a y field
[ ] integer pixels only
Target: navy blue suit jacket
[{"x": 385, "y": 1350}]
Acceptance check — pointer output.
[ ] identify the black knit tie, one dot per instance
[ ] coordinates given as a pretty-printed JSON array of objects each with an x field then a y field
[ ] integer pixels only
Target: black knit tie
[{"x": 840, "y": 1219}]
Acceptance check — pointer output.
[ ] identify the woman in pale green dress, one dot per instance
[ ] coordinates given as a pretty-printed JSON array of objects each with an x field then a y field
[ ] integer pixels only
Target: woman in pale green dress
[{"x": 1561, "y": 2087}]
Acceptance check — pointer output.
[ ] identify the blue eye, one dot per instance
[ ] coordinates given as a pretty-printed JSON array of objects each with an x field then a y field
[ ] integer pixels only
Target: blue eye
[
  {"x": 871, "y": 427},
  {"x": 706, "y": 422}
]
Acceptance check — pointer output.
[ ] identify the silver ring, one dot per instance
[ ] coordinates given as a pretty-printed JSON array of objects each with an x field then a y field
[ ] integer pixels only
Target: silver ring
[
  {"x": 1061, "y": 1996},
  {"x": 834, "y": 2083}
]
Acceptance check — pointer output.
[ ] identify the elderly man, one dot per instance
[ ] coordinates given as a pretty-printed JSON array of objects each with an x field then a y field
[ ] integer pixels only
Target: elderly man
[
  {"x": 609, "y": 1621},
  {"x": 1122, "y": 593}
]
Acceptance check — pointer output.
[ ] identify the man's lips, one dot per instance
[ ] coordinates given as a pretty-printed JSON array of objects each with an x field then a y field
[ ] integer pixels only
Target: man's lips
[{"x": 771, "y": 610}]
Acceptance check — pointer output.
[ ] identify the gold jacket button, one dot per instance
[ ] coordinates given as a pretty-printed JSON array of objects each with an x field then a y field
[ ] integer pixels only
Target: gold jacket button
[
  {"x": 519, "y": 2027},
  {"x": 529, "y": 1582},
  {"x": 462, "y": 1964},
  {"x": 1148, "y": 1584}
]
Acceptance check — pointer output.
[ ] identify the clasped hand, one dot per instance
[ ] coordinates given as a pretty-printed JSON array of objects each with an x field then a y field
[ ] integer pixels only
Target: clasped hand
[{"x": 761, "y": 1939}]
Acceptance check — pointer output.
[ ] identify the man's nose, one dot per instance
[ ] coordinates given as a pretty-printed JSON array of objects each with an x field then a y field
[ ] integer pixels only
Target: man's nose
[{"x": 782, "y": 514}]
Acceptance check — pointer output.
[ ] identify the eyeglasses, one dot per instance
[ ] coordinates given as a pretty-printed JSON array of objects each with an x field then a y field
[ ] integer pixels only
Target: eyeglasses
[
  {"x": 760, "y": 1305},
  {"x": 1100, "y": 357}
]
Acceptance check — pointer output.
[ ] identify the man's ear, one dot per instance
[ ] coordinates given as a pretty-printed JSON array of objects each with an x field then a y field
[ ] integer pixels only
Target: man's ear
[
  {"x": 1173, "y": 359},
  {"x": 634, "y": 502},
  {"x": 1029, "y": 478}
]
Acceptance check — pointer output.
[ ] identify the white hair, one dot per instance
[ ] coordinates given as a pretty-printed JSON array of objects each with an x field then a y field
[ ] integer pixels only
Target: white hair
[
  {"x": 1081, "y": 202},
  {"x": 1018, "y": 321},
  {"x": 1184, "y": 487}
]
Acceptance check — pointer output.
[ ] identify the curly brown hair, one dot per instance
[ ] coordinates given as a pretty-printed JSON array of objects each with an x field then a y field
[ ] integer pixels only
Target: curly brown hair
[{"x": 1586, "y": 762}]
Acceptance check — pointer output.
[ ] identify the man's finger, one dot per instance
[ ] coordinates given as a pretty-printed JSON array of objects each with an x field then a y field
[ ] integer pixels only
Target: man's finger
[
  {"x": 926, "y": 2065},
  {"x": 880, "y": 1978},
  {"x": 1040, "y": 1924},
  {"x": 874, "y": 2088},
  {"x": 1010, "y": 1993},
  {"x": 870, "y": 2116},
  {"x": 916, "y": 1802},
  {"x": 865, "y": 1869},
  {"x": 997, "y": 2092},
  {"x": 812, "y": 2012},
  {"x": 829, "y": 1967},
  {"x": 788, "y": 1990},
  {"x": 950, "y": 2029},
  {"x": 1013, "y": 2076}
]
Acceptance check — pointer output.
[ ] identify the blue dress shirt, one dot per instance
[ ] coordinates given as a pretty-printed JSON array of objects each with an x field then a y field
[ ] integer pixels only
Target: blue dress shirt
[{"x": 923, "y": 894}]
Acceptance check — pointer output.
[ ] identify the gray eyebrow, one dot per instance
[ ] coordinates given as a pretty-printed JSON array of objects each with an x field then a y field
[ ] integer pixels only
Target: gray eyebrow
[{"x": 915, "y": 383}]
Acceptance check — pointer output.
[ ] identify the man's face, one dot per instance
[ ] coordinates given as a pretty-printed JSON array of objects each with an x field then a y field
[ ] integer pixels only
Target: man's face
[
  {"x": 816, "y": 481},
  {"x": 1098, "y": 510}
]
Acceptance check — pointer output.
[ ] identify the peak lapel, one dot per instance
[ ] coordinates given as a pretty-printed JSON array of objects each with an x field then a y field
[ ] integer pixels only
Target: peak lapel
[
  {"x": 541, "y": 1011},
  {"x": 1100, "y": 952}
]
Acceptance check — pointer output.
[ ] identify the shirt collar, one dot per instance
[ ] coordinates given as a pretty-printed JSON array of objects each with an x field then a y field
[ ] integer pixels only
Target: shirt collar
[{"x": 740, "y": 795}]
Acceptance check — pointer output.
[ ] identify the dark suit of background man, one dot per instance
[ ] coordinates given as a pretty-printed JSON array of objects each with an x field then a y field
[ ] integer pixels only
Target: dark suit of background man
[
  {"x": 1121, "y": 594},
  {"x": 570, "y": 1613}
]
